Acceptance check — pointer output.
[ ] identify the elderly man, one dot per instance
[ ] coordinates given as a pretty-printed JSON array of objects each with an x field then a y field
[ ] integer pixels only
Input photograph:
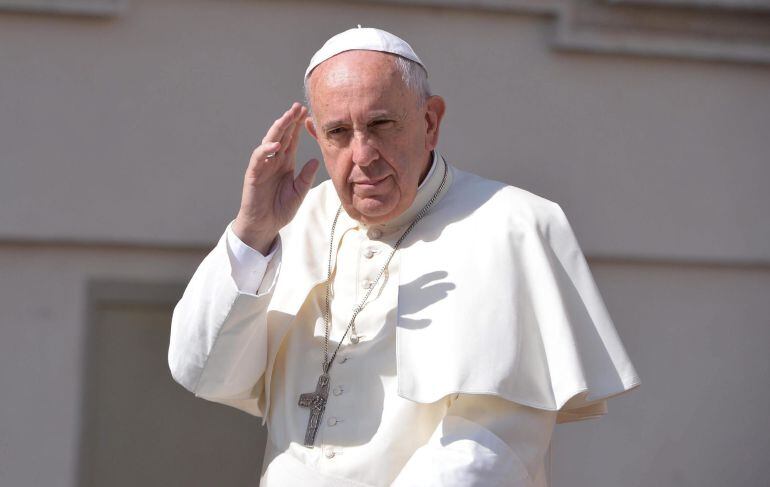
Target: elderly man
[{"x": 406, "y": 323}]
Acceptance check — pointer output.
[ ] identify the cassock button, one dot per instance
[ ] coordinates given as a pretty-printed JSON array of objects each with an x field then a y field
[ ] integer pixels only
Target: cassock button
[
  {"x": 328, "y": 452},
  {"x": 374, "y": 233},
  {"x": 337, "y": 391},
  {"x": 369, "y": 254},
  {"x": 332, "y": 421},
  {"x": 367, "y": 284},
  {"x": 344, "y": 359}
]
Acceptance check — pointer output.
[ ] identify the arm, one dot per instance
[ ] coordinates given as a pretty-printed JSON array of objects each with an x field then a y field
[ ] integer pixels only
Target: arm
[
  {"x": 483, "y": 441},
  {"x": 218, "y": 339},
  {"x": 218, "y": 346}
]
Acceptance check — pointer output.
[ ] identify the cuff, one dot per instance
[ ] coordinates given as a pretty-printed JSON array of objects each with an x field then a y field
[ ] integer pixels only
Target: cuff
[{"x": 248, "y": 265}]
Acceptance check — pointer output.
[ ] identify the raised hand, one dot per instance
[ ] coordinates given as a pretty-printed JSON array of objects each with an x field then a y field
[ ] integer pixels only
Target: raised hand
[{"x": 271, "y": 193}]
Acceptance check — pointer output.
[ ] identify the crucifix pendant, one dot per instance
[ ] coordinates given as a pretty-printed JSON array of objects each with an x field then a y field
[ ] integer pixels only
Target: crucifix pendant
[{"x": 316, "y": 401}]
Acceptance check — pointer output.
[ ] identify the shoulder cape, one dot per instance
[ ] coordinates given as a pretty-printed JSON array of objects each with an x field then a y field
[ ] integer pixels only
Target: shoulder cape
[{"x": 495, "y": 297}]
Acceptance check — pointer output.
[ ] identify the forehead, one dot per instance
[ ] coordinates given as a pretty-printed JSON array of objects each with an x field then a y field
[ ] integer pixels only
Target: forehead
[{"x": 356, "y": 74}]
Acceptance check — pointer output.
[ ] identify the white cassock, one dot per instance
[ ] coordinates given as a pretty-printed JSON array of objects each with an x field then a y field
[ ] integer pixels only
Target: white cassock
[{"x": 486, "y": 330}]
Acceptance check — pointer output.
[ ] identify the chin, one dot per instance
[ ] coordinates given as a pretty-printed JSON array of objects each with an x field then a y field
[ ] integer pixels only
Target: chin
[{"x": 373, "y": 211}]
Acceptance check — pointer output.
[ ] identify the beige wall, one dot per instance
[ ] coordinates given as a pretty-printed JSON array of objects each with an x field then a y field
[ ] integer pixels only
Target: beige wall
[
  {"x": 123, "y": 139},
  {"x": 698, "y": 336},
  {"x": 154, "y": 113}
]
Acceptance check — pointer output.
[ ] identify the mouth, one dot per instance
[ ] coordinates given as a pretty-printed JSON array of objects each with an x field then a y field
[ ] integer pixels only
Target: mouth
[
  {"x": 369, "y": 182},
  {"x": 367, "y": 186}
]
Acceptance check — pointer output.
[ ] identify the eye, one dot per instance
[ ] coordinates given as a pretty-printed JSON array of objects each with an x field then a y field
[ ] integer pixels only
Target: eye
[
  {"x": 336, "y": 131},
  {"x": 381, "y": 123}
]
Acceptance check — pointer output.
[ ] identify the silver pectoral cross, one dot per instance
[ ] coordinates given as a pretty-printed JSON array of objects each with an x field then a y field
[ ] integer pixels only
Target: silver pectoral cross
[{"x": 316, "y": 401}]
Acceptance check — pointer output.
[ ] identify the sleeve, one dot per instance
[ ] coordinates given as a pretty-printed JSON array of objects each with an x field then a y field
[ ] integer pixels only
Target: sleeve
[
  {"x": 218, "y": 342},
  {"x": 248, "y": 265},
  {"x": 483, "y": 441}
]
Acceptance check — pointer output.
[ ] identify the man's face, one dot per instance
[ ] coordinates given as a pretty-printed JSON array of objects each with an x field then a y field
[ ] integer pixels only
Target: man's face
[{"x": 375, "y": 140}]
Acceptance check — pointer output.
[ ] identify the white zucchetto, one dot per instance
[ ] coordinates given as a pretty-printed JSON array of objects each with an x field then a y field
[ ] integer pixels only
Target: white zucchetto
[{"x": 366, "y": 39}]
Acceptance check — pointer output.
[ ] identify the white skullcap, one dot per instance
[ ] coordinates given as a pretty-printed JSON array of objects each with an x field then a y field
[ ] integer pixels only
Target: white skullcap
[{"x": 366, "y": 39}]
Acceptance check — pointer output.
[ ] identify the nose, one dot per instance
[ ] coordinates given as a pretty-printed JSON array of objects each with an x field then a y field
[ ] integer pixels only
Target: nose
[{"x": 364, "y": 153}]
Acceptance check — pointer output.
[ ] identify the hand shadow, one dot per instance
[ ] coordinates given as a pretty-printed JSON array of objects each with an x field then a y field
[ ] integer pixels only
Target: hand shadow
[{"x": 418, "y": 295}]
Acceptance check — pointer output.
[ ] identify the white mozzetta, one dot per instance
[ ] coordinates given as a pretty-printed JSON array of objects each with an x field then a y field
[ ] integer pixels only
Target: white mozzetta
[{"x": 516, "y": 325}]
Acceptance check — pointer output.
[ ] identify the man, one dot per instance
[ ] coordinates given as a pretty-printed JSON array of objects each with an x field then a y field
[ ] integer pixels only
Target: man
[{"x": 406, "y": 323}]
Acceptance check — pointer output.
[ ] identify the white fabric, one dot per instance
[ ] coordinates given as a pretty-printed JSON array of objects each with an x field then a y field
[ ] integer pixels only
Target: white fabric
[
  {"x": 478, "y": 440},
  {"x": 483, "y": 441},
  {"x": 511, "y": 346},
  {"x": 248, "y": 265},
  {"x": 366, "y": 39}
]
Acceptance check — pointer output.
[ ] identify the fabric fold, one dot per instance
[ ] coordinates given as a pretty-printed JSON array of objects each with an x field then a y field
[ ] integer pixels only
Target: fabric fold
[
  {"x": 525, "y": 320},
  {"x": 218, "y": 344},
  {"x": 538, "y": 334}
]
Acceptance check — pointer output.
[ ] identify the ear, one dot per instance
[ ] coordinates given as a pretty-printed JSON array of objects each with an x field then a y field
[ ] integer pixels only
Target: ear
[
  {"x": 434, "y": 113},
  {"x": 310, "y": 127}
]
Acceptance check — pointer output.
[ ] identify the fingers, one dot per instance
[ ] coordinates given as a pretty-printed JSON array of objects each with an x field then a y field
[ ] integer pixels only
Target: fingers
[
  {"x": 284, "y": 124},
  {"x": 293, "y": 140},
  {"x": 281, "y": 139},
  {"x": 305, "y": 178},
  {"x": 262, "y": 156}
]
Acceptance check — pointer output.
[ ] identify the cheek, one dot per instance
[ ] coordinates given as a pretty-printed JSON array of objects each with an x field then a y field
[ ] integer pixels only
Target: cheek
[
  {"x": 407, "y": 149},
  {"x": 408, "y": 174},
  {"x": 338, "y": 171}
]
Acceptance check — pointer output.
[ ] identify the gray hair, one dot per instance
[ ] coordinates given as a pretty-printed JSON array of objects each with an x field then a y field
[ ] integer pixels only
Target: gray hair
[{"x": 413, "y": 74}]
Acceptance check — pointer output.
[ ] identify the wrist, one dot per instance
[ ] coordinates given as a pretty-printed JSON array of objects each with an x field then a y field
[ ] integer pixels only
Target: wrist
[{"x": 257, "y": 238}]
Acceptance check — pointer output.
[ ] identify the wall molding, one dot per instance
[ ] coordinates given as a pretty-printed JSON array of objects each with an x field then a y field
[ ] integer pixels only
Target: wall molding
[
  {"x": 200, "y": 249},
  {"x": 87, "y": 8},
  {"x": 736, "y": 31},
  {"x": 709, "y": 30},
  {"x": 723, "y": 4}
]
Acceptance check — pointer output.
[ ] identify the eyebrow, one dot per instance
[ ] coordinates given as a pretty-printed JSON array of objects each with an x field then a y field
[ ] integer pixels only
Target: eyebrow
[{"x": 375, "y": 115}]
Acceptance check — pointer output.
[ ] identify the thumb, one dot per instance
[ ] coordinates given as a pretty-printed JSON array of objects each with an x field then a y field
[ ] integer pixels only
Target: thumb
[{"x": 305, "y": 178}]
